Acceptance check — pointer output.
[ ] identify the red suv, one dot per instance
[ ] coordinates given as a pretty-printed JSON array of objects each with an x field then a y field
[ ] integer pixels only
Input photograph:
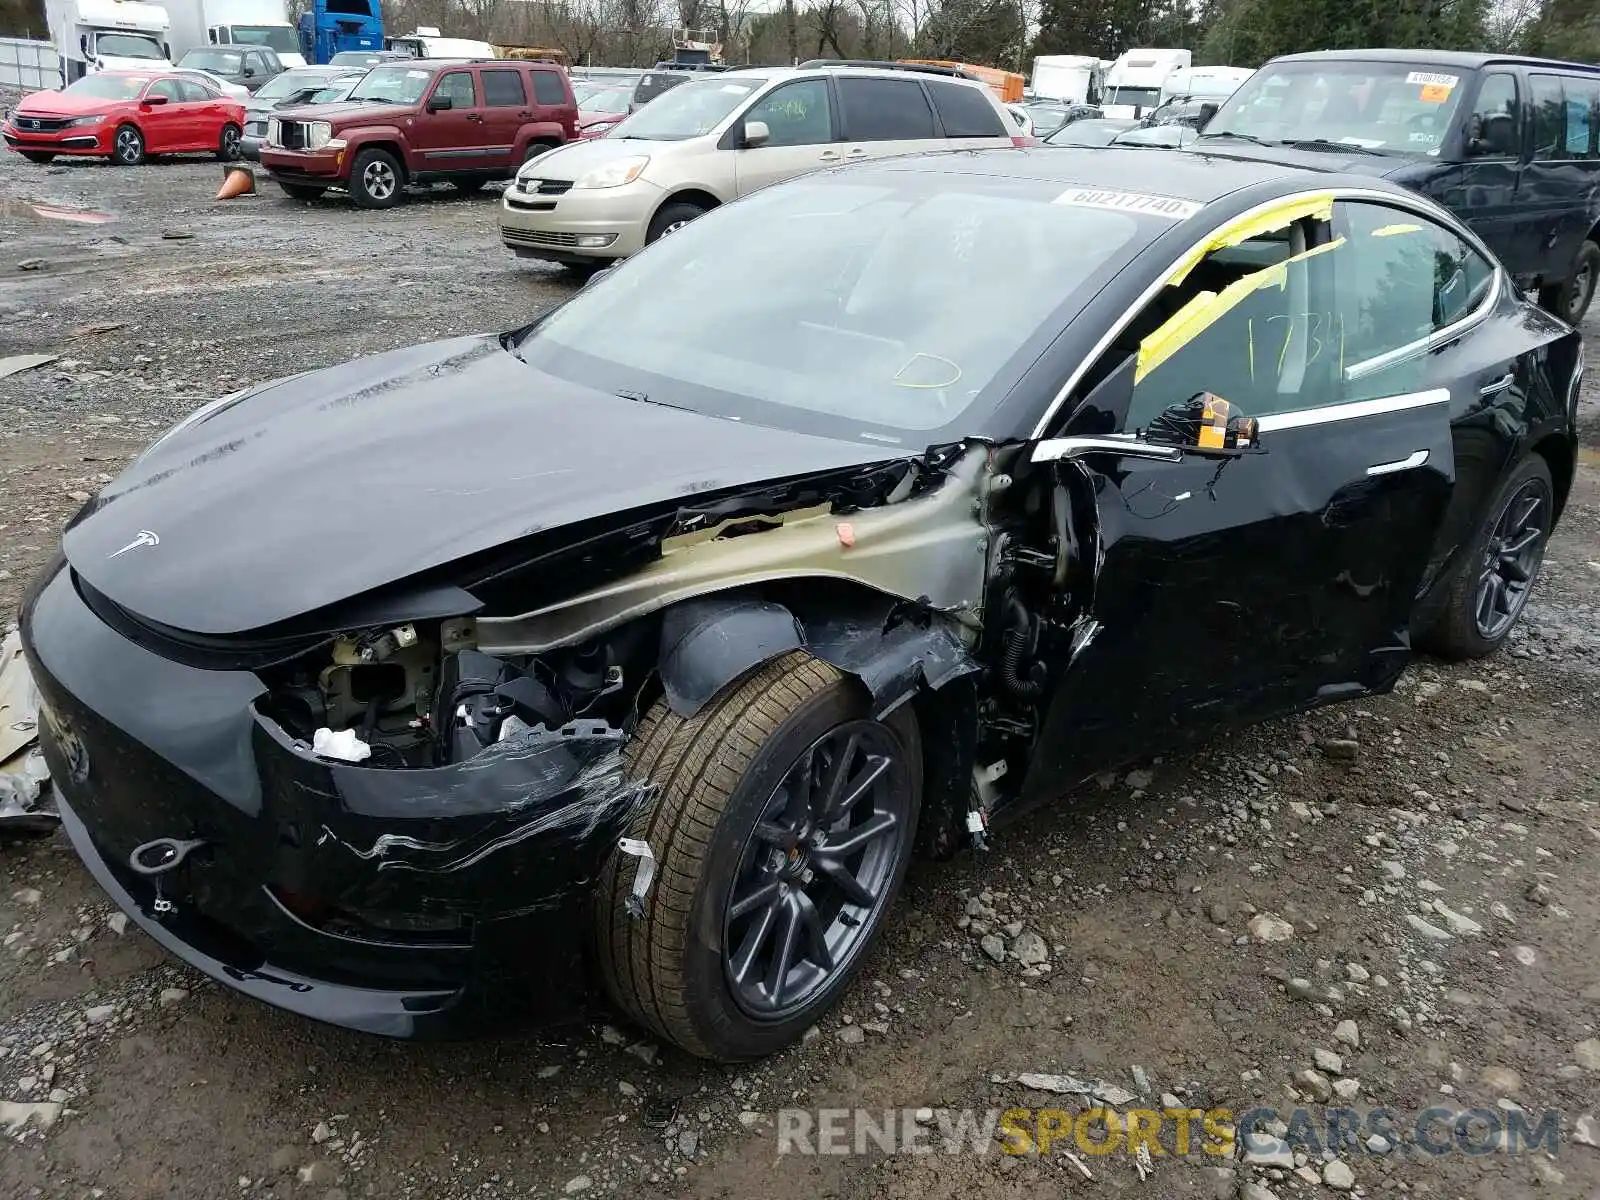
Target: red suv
[{"x": 419, "y": 121}]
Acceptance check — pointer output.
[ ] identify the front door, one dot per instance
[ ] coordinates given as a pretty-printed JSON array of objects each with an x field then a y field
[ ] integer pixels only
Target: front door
[
  {"x": 1235, "y": 583},
  {"x": 1485, "y": 189},
  {"x": 800, "y": 135},
  {"x": 166, "y": 124},
  {"x": 451, "y": 139}
]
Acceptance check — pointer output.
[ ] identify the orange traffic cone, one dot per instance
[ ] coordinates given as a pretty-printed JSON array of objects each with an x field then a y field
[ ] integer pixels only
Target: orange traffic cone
[{"x": 238, "y": 180}]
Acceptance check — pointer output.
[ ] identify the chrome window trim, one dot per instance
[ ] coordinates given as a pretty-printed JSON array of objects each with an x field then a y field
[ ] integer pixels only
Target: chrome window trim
[
  {"x": 1351, "y": 410},
  {"x": 1417, "y": 204},
  {"x": 1055, "y": 449}
]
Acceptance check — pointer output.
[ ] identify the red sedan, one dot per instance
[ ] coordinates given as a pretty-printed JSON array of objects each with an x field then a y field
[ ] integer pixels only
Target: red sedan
[
  {"x": 125, "y": 116},
  {"x": 600, "y": 110}
]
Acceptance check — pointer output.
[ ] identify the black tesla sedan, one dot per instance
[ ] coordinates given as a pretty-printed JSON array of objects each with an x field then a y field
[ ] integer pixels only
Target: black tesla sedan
[{"x": 644, "y": 645}]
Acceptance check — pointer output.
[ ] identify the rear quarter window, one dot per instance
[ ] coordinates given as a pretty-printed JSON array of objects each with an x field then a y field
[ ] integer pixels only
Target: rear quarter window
[
  {"x": 965, "y": 112},
  {"x": 548, "y": 88},
  {"x": 884, "y": 110}
]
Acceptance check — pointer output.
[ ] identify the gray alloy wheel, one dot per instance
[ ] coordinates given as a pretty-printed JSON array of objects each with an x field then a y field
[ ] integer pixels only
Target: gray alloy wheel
[
  {"x": 816, "y": 869},
  {"x": 228, "y": 148},
  {"x": 127, "y": 146},
  {"x": 1511, "y": 558}
]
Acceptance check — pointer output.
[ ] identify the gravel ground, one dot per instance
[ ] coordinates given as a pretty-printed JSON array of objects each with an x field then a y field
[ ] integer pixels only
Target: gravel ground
[{"x": 1391, "y": 903}]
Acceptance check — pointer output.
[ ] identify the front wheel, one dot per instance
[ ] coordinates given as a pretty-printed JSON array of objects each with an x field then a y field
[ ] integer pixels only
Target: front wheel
[
  {"x": 127, "y": 146},
  {"x": 1490, "y": 583},
  {"x": 783, "y": 825},
  {"x": 672, "y": 218},
  {"x": 375, "y": 179},
  {"x": 1570, "y": 298}
]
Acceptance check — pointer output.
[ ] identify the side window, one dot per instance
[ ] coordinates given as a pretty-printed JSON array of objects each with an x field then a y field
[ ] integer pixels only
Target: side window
[
  {"x": 547, "y": 88},
  {"x": 884, "y": 110},
  {"x": 195, "y": 92},
  {"x": 796, "y": 113},
  {"x": 503, "y": 89},
  {"x": 457, "y": 85},
  {"x": 1402, "y": 278},
  {"x": 964, "y": 111},
  {"x": 1496, "y": 120},
  {"x": 1549, "y": 117},
  {"x": 1251, "y": 324},
  {"x": 166, "y": 87},
  {"x": 1583, "y": 95}
]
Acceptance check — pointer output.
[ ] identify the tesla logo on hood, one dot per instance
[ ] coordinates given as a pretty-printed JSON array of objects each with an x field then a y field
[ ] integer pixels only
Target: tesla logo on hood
[{"x": 146, "y": 538}]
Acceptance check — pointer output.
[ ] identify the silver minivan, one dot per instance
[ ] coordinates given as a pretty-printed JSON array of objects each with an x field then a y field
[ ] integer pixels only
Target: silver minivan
[{"x": 715, "y": 139}]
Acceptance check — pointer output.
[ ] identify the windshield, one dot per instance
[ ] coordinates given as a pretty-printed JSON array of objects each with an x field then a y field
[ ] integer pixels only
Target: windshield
[
  {"x": 109, "y": 87},
  {"x": 871, "y": 311},
  {"x": 1144, "y": 97},
  {"x": 339, "y": 90},
  {"x": 608, "y": 100},
  {"x": 275, "y": 37},
  {"x": 392, "y": 85},
  {"x": 688, "y": 111},
  {"x": 355, "y": 58},
  {"x": 226, "y": 62},
  {"x": 1092, "y": 132},
  {"x": 128, "y": 45},
  {"x": 1393, "y": 107}
]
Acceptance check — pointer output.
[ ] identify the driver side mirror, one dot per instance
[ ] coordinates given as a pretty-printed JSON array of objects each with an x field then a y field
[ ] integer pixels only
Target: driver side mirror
[
  {"x": 440, "y": 104},
  {"x": 154, "y": 100},
  {"x": 756, "y": 134},
  {"x": 248, "y": 72},
  {"x": 1207, "y": 111},
  {"x": 1205, "y": 424}
]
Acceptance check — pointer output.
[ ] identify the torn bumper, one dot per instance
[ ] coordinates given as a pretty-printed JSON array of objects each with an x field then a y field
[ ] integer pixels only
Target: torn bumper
[{"x": 408, "y": 903}]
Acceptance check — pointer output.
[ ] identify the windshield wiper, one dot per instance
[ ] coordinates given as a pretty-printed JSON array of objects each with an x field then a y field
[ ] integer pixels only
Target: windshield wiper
[
  {"x": 1329, "y": 144},
  {"x": 1243, "y": 137}
]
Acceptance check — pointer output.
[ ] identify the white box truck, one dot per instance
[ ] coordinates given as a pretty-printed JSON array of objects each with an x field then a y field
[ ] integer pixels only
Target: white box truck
[
  {"x": 1073, "y": 78},
  {"x": 1204, "y": 83},
  {"x": 1134, "y": 82},
  {"x": 107, "y": 35},
  {"x": 198, "y": 23}
]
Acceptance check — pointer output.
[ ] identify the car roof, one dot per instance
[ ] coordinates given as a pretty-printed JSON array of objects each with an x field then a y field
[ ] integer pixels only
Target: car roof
[
  {"x": 1179, "y": 174},
  {"x": 779, "y": 73},
  {"x": 1466, "y": 60}
]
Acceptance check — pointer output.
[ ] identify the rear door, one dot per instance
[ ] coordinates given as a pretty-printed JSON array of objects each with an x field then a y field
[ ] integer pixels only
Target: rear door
[
  {"x": 801, "y": 135},
  {"x": 968, "y": 117},
  {"x": 1237, "y": 584},
  {"x": 553, "y": 101},
  {"x": 202, "y": 115},
  {"x": 1558, "y": 181},
  {"x": 880, "y": 116},
  {"x": 450, "y": 139},
  {"x": 505, "y": 111}
]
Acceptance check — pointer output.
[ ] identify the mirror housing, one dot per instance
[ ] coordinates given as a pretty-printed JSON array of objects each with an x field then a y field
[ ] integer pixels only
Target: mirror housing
[
  {"x": 1205, "y": 424},
  {"x": 756, "y": 134},
  {"x": 1207, "y": 111},
  {"x": 154, "y": 100},
  {"x": 440, "y": 104},
  {"x": 248, "y": 72}
]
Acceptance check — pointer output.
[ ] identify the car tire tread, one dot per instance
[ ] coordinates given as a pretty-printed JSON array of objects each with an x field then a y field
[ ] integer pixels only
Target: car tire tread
[{"x": 696, "y": 764}]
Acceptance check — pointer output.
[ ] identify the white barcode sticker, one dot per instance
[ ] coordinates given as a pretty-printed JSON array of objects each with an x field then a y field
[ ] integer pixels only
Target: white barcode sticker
[
  {"x": 1431, "y": 77},
  {"x": 1131, "y": 202}
]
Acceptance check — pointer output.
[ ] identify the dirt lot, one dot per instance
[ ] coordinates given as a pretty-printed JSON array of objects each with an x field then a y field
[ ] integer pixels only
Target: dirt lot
[{"x": 1430, "y": 858}]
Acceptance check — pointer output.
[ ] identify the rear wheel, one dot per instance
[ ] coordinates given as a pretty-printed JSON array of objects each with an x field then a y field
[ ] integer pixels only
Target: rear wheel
[
  {"x": 38, "y": 156},
  {"x": 672, "y": 218},
  {"x": 127, "y": 146},
  {"x": 228, "y": 143},
  {"x": 783, "y": 826},
  {"x": 534, "y": 149},
  {"x": 302, "y": 191},
  {"x": 1490, "y": 583},
  {"x": 376, "y": 179},
  {"x": 1570, "y": 298}
]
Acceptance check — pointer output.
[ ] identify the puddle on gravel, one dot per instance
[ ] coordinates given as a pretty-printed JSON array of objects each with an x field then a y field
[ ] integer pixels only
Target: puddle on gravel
[{"x": 53, "y": 212}]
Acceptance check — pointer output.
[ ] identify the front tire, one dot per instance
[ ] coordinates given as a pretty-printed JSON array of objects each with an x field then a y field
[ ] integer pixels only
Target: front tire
[
  {"x": 1488, "y": 587},
  {"x": 1570, "y": 299},
  {"x": 376, "y": 179},
  {"x": 783, "y": 825},
  {"x": 672, "y": 218},
  {"x": 127, "y": 146}
]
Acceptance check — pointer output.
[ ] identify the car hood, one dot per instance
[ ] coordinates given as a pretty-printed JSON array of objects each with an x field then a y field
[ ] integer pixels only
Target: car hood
[
  {"x": 327, "y": 485},
  {"x": 66, "y": 104},
  {"x": 577, "y": 158},
  {"x": 1331, "y": 159},
  {"x": 351, "y": 112}
]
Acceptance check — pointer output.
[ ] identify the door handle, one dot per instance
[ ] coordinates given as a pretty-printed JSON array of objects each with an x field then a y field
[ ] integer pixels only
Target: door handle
[
  {"x": 857, "y": 153},
  {"x": 475, "y": 116},
  {"x": 1499, "y": 385},
  {"x": 1413, "y": 460},
  {"x": 829, "y": 156}
]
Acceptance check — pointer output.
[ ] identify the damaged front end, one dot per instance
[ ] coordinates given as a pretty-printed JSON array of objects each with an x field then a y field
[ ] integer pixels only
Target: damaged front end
[{"x": 393, "y": 826}]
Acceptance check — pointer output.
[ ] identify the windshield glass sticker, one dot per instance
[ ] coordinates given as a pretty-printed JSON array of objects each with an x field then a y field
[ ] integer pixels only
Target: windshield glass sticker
[
  {"x": 1134, "y": 202},
  {"x": 1433, "y": 79}
]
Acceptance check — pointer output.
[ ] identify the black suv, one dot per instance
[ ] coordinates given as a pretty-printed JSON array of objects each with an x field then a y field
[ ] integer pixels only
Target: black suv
[{"x": 1511, "y": 144}]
